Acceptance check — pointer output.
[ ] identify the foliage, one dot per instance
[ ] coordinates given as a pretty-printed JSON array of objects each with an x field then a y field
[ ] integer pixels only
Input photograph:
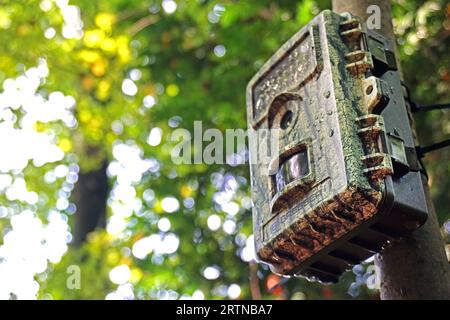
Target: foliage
[{"x": 424, "y": 39}]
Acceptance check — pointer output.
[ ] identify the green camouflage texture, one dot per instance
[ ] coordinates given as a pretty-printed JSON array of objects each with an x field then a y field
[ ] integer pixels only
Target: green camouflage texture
[{"x": 326, "y": 174}]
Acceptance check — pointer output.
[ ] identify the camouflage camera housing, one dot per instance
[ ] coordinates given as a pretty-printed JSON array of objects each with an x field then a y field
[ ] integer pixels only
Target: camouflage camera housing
[{"x": 344, "y": 179}]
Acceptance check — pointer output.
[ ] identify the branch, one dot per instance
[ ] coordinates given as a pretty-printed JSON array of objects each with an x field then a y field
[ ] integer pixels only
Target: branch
[
  {"x": 254, "y": 281},
  {"x": 142, "y": 24}
]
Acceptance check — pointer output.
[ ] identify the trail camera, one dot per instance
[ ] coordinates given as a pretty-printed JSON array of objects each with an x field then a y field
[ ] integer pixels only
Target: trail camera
[{"x": 344, "y": 179}]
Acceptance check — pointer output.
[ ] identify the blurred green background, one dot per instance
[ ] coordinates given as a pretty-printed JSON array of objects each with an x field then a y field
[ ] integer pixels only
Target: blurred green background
[{"x": 92, "y": 91}]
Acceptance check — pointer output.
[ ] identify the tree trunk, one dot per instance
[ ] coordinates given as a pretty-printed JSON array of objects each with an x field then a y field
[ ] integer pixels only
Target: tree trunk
[
  {"x": 91, "y": 192},
  {"x": 417, "y": 266}
]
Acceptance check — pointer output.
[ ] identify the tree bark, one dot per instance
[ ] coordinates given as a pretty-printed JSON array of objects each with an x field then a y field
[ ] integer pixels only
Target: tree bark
[
  {"x": 417, "y": 266},
  {"x": 91, "y": 192}
]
